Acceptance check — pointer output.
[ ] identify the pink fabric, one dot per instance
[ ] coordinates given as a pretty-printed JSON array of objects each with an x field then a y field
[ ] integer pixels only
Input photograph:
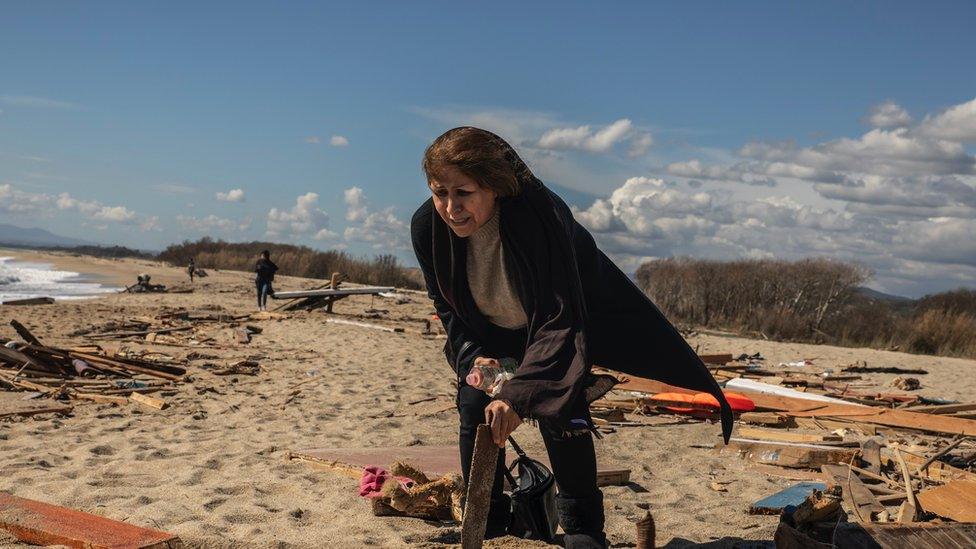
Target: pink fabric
[{"x": 373, "y": 478}]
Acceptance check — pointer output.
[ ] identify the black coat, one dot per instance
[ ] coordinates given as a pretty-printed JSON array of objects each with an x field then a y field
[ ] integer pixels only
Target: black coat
[{"x": 582, "y": 310}]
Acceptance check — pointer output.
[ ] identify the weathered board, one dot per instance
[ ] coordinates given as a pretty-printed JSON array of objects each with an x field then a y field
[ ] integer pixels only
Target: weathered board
[
  {"x": 365, "y": 290},
  {"x": 435, "y": 461},
  {"x": 851, "y": 535},
  {"x": 41, "y": 523},
  {"x": 955, "y": 500}
]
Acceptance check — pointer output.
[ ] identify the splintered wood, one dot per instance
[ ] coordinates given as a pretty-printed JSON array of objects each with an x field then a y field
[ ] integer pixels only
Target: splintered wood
[{"x": 483, "y": 465}]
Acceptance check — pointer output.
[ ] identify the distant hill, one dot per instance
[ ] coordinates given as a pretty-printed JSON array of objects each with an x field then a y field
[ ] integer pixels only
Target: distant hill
[
  {"x": 13, "y": 235},
  {"x": 881, "y": 296}
]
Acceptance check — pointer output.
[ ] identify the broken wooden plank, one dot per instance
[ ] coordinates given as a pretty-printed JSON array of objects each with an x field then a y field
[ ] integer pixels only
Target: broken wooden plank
[
  {"x": 787, "y": 454},
  {"x": 904, "y": 536},
  {"x": 787, "y": 537},
  {"x": 857, "y": 498},
  {"x": 955, "y": 500},
  {"x": 435, "y": 461},
  {"x": 23, "y": 332},
  {"x": 481, "y": 478},
  {"x": 784, "y": 436},
  {"x": 147, "y": 400},
  {"x": 871, "y": 454},
  {"x": 909, "y": 509},
  {"x": 364, "y": 290},
  {"x": 769, "y": 419},
  {"x": 100, "y": 399},
  {"x": 943, "y": 408},
  {"x": 793, "y": 495},
  {"x": 30, "y": 301},
  {"x": 364, "y": 325},
  {"x": 41, "y": 523}
]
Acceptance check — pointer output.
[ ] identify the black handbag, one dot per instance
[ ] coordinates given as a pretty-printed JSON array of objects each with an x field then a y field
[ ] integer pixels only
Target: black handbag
[{"x": 534, "y": 514}]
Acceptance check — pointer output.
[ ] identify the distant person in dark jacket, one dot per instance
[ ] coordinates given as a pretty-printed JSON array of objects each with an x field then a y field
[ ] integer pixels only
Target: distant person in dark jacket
[
  {"x": 191, "y": 269},
  {"x": 265, "y": 269}
]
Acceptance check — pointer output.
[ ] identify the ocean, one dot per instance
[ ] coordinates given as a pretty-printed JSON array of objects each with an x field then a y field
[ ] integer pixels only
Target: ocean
[{"x": 21, "y": 279}]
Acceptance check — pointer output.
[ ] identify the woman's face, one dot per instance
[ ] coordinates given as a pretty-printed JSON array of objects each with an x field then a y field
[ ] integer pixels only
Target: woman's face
[{"x": 461, "y": 202}]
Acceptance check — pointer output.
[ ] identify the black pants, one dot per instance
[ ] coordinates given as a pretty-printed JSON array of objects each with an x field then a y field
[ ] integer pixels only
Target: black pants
[{"x": 573, "y": 461}]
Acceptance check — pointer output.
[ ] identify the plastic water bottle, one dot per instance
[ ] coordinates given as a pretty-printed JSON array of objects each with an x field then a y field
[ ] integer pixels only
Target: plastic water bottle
[{"x": 484, "y": 377}]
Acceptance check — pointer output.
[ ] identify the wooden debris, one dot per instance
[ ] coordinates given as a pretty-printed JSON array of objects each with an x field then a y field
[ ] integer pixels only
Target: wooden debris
[
  {"x": 857, "y": 498},
  {"x": 364, "y": 325},
  {"x": 645, "y": 531},
  {"x": 909, "y": 509},
  {"x": 149, "y": 401},
  {"x": 437, "y": 461},
  {"x": 956, "y": 500},
  {"x": 787, "y": 537},
  {"x": 862, "y": 368},
  {"x": 818, "y": 507},
  {"x": 241, "y": 367},
  {"x": 786, "y": 454},
  {"x": 30, "y": 301},
  {"x": 784, "y": 436},
  {"x": 769, "y": 419},
  {"x": 364, "y": 290},
  {"x": 871, "y": 454},
  {"x": 480, "y": 479},
  {"x": 794, "y": 495},
  {"x": 41, "y": 523},
  {"x": 901, "y": 536}
]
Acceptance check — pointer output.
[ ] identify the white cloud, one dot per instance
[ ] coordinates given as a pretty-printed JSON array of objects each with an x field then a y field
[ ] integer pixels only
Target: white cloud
[
  {"x": 957, "y": 123},
  {"x": 640, "y": 144},
  {"x": 233, "y": 195},
  {"x": 19, "y": 202},
  {"x": 888, "y": 115},
  {"x": 338, "y": 141},
  {"x": 114, "y": 213},
  {"x": 584, "y": 138},
  {"x": 355, "y": 204},
  {"x": 383, "y": 230},
  {"x": 304, "y": 219}
]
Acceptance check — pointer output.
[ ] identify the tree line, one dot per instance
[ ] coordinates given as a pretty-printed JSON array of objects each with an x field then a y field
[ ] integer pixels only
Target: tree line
[{"x": 811, "y": 300}]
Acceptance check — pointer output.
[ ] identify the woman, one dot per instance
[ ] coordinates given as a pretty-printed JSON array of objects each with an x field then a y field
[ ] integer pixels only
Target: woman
[{"x": 513, "y": 275}]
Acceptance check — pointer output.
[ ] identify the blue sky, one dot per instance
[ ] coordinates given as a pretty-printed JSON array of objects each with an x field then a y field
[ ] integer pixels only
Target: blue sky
[{"x": 719, "y": 129}]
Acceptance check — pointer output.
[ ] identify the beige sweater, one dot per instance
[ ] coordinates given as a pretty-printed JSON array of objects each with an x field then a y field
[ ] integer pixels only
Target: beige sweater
[{"x": 491, "y": 289}]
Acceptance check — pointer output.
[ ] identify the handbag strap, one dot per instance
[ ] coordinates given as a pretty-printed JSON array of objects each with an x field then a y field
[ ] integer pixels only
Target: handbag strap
[{"x": 516, "y": 447}]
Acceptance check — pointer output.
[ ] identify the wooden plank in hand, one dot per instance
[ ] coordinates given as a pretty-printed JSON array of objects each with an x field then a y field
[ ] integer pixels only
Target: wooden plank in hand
[{"x": 480, "y": 480}]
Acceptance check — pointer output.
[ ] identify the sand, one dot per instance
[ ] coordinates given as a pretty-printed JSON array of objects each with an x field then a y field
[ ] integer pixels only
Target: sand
[{"x": 211, "y": 468}]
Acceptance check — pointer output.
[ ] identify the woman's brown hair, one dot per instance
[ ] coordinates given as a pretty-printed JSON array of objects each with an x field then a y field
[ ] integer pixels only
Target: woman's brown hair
[{"x": 478, "y": 154}]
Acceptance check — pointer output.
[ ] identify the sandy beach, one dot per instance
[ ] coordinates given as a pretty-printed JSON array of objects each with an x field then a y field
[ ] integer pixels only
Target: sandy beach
[{"x": 212, "y": 468}]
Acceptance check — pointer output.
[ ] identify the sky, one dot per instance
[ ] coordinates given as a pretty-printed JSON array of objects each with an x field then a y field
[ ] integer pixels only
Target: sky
[{"x": 720, "y": 130}]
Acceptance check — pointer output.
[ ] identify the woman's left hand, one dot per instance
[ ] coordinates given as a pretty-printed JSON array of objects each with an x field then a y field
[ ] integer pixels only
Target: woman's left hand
[{"x": 502, "y": 419}]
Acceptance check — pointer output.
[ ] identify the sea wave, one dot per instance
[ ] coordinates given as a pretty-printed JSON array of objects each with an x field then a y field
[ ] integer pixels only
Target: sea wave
[{"x": 26, "y": 279}]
